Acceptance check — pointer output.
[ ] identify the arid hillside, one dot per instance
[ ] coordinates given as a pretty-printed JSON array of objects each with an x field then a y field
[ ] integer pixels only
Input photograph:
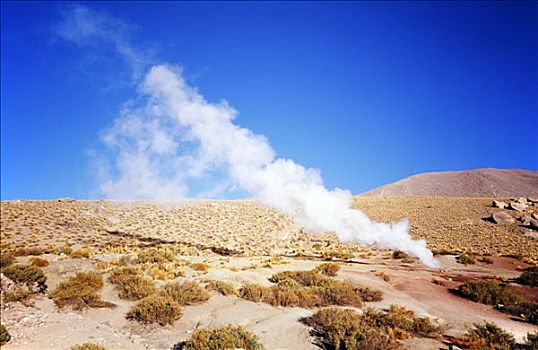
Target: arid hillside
[
  {"x": 468, "y": 183},
  {"x": 139, "y": 275}
]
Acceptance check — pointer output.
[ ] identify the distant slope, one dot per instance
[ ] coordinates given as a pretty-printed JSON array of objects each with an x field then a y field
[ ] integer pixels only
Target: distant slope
[{"x": 468, "y": 183}]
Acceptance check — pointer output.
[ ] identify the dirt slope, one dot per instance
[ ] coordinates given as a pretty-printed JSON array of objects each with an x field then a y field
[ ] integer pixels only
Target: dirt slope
[{"x": 468, "y": 183}]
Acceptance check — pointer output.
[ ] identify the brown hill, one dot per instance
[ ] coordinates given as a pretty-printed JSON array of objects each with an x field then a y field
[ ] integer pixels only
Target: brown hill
[{"x": 468, "y": 183}]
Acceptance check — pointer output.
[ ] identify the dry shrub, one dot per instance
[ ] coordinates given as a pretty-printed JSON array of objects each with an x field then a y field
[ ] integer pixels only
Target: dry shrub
[
  {"x": 224, "y": 338},
  {"x": 186, "y": 293},
  {"x": 342, "y": 254},
  {"x": 80, "y": 253},
  {"x": 19, "y": 294},
  {"x": 486, "y": 260},
  {"x": 384, "y": 276},
  {"x": 255, "y": 292},
  {"x": 398, "y": 254},
  {"x": 328, "y": 269},
  {"x": 6, "y": 260},
  {"x": 130, "y": 284},
  {"x": 156, "y": 255},
  {"x": 343, "y": 329},
  {"x": 159, "y": 309},
  {"x": 79, "y": 291},
  {"x": 88, "y": 346},
  {"x": 221, "y": 287},
  {"x": 486, "y": 337},
  {"x": 309, "y": 289},
  {"x": 30, "y": 275},
  {"x": 402, "y": 323},
  {"x": 40, "y": 262},
  {"x": 165, "y": 271},
  {"x": 200, "y": 267}
]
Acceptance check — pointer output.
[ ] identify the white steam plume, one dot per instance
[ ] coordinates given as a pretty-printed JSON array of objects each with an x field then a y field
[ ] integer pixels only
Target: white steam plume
[
  {"x": 175, "y": 140},
  {"x": 248, "y": 159}
]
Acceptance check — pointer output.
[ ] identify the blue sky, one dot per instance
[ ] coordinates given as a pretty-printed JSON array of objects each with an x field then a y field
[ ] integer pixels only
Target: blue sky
[{"x": 366, "y": 92}]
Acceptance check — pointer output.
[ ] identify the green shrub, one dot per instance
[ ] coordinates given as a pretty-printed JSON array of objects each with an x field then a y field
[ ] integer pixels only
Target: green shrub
[
  {"x": 229, "y": 337},
  {"x": 80, "y": 291},
  {"x": 130, "y": 284},
  {"x": 27, "y": 274},
  {"x": 88, "y": 346},
  {"x": 529, "y": 277},
  {"x": 159, "y": 309},
  {"x": 5, "y": 337},
  {"x": 489, "y": 292},
  {"x": 466, "y": 259},
  {"x": 186, "y": 293}
]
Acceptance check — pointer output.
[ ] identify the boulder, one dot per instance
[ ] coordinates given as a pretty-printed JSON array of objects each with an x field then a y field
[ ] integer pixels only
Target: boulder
[
  {"x": 518, "y": 206},
  {"x": 499, "y": 204},
  {"x": 532, "y": 199},
  {"x": 534, "y": 216},
  {"x": 502, "y": 218},
  {"x": 522, "y": 200}
]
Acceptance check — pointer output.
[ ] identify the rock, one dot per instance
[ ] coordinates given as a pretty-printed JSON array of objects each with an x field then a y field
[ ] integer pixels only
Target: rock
[
  {"x": 533, "y": 224},
  {"x": 534, "y": 216},
  {"x": 518, "y": 206},
  {"x": 467, "y": 222},
  {"x": 66, "y": 200},
  {"x": 525, "y": 220},
  {"x": 532, "y": 199},
  {"x": 502, "y": 218},
  {"x": 499, "y": 204}
]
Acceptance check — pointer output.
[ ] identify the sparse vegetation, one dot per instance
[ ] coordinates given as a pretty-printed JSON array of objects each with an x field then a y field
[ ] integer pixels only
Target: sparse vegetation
[
  {"x": 342, "y": 329},
  {"x": 159, "y": 309},
  {"x": 489, "y": 292},
  {"x": 40, "y": 262},
  {"x": 6, "y": 260},
  {"x": 221, "y": 287},
  {"x": 80, "y": 253},
  {"x": 27, "y": 274},
  {"x": 88, "y": 346},
  {"x": 308, "y": 289},
  {"x": 398, "y": 254},
  {"x": 340, "y": 253},
  {"x": 5, "y": 337},
  {"x": 529, "y": 277},
  {"x": 156, "y": 255},
  {"x": 200, "y": 267},
  {"x": 130, "y": 284},
  {"x": 229, "y": 337},
  {"x": 486, "y": 337},
  {"x": 383, "y": 275},
  {"x": 494, "y": 293},
  {"x": 79, "y": 291},
  {"x": 328, "y": 269},
  {"x": 186, "y": 293},
  {"x": 466, "y": 259}
]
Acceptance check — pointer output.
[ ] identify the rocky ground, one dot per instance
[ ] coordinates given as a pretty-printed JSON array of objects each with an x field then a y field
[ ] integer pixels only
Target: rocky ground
[{"x": 242, "y": 242}]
